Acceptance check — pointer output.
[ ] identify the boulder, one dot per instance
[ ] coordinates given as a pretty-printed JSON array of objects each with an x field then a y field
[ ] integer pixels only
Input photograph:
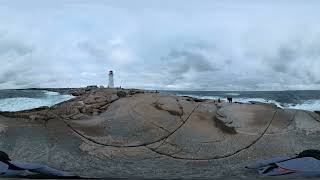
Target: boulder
[
  {"x": 96, "y": 105},
  {"x": 95, "y": 99},
  {"x": 77, "y": 93},
  {"x": 112, "y": 98},
  {"x": 121, "y": 94},
  {"x": 224, "y": 124}
]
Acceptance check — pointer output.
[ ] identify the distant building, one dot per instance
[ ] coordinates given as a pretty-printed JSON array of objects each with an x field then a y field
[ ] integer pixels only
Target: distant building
[
  {"x": 111, "y": 83},
  {"x": 92, "y": 86}
]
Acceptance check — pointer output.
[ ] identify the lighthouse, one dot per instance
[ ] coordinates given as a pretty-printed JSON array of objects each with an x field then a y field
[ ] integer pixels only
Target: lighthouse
[{"x": 111, "y": 83}]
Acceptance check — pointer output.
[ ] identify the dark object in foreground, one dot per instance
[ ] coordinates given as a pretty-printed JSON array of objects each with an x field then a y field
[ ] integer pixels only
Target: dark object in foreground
[
  {"x": 121, "y": 94},
  {"x": 16, "y": 169},
  {"x": 229, "y": 99},
  {"x": 306, "y": 164}
]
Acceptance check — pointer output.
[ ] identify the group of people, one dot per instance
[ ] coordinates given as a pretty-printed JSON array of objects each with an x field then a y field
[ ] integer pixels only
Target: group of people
[{"x": 228, "y": 98}]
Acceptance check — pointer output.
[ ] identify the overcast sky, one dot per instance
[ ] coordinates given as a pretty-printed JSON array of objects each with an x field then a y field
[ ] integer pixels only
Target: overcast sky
[{"x": 161, "y": 44}]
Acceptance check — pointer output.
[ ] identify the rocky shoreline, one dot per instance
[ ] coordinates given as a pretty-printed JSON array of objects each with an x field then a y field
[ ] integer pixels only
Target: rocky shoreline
[{"x": 135, "y": 133}]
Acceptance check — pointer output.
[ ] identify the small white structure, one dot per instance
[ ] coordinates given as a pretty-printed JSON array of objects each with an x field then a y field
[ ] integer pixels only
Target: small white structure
[{"x": 111, "y": 83}]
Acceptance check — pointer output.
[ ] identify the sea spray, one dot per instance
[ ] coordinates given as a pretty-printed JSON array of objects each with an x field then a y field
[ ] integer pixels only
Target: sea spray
[
  {"x": 33, "y": 100},
  {"x": 305, "y": 100}
]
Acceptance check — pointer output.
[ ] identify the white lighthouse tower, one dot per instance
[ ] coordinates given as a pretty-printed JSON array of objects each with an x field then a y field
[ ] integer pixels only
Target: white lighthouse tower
[{"x": 111, "y": 83}]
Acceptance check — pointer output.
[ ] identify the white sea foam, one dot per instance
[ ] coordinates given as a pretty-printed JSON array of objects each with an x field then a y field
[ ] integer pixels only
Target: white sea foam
[
  {"x": 201, "y": 97},
  {"x": 51, "y": 93},
  {"x": 232, "y": 94},
  {"x": 248, "y": 100},
  {"x": 310, "y": 105},
  {"x": 23, "y": 103}
]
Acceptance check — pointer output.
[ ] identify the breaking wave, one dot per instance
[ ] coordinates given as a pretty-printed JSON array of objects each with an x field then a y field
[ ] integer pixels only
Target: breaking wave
[
  {"x": 25, "y": 103},
  {"x": 310, "y": 105},
  {"x": 232, "y": 94}
]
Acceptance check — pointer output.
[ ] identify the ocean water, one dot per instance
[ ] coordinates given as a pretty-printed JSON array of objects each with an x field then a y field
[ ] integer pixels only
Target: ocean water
[
  {"x": 306, "y": 100},
  {"x": 18, "y": 100}
]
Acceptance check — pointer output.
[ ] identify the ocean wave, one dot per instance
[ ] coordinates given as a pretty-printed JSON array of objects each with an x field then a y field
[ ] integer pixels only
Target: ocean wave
[
  {"x": 310, "y": 105},
  {"x": 249, "y": 100},
  {"x": 25, "y": 103},
  {"x": 51, "y": 93},
  {"x": 201, "y": 97},
  {"x": 232, "y": 94}
]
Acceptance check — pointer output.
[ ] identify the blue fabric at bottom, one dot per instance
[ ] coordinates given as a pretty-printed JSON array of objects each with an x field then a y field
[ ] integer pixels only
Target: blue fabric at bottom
[{"x": 291, "y": 167}]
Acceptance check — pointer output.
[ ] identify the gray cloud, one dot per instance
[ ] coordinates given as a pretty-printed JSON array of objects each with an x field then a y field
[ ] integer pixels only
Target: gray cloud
[
  {"x": 181, "y": 62},
  {"x": 283, "y": 59},
  {"x": 208, "y": 45},
  {"x": 178, "y": 64},
  {"x": 14, "y": 47},
  {"x": 97, "y": 52}
]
